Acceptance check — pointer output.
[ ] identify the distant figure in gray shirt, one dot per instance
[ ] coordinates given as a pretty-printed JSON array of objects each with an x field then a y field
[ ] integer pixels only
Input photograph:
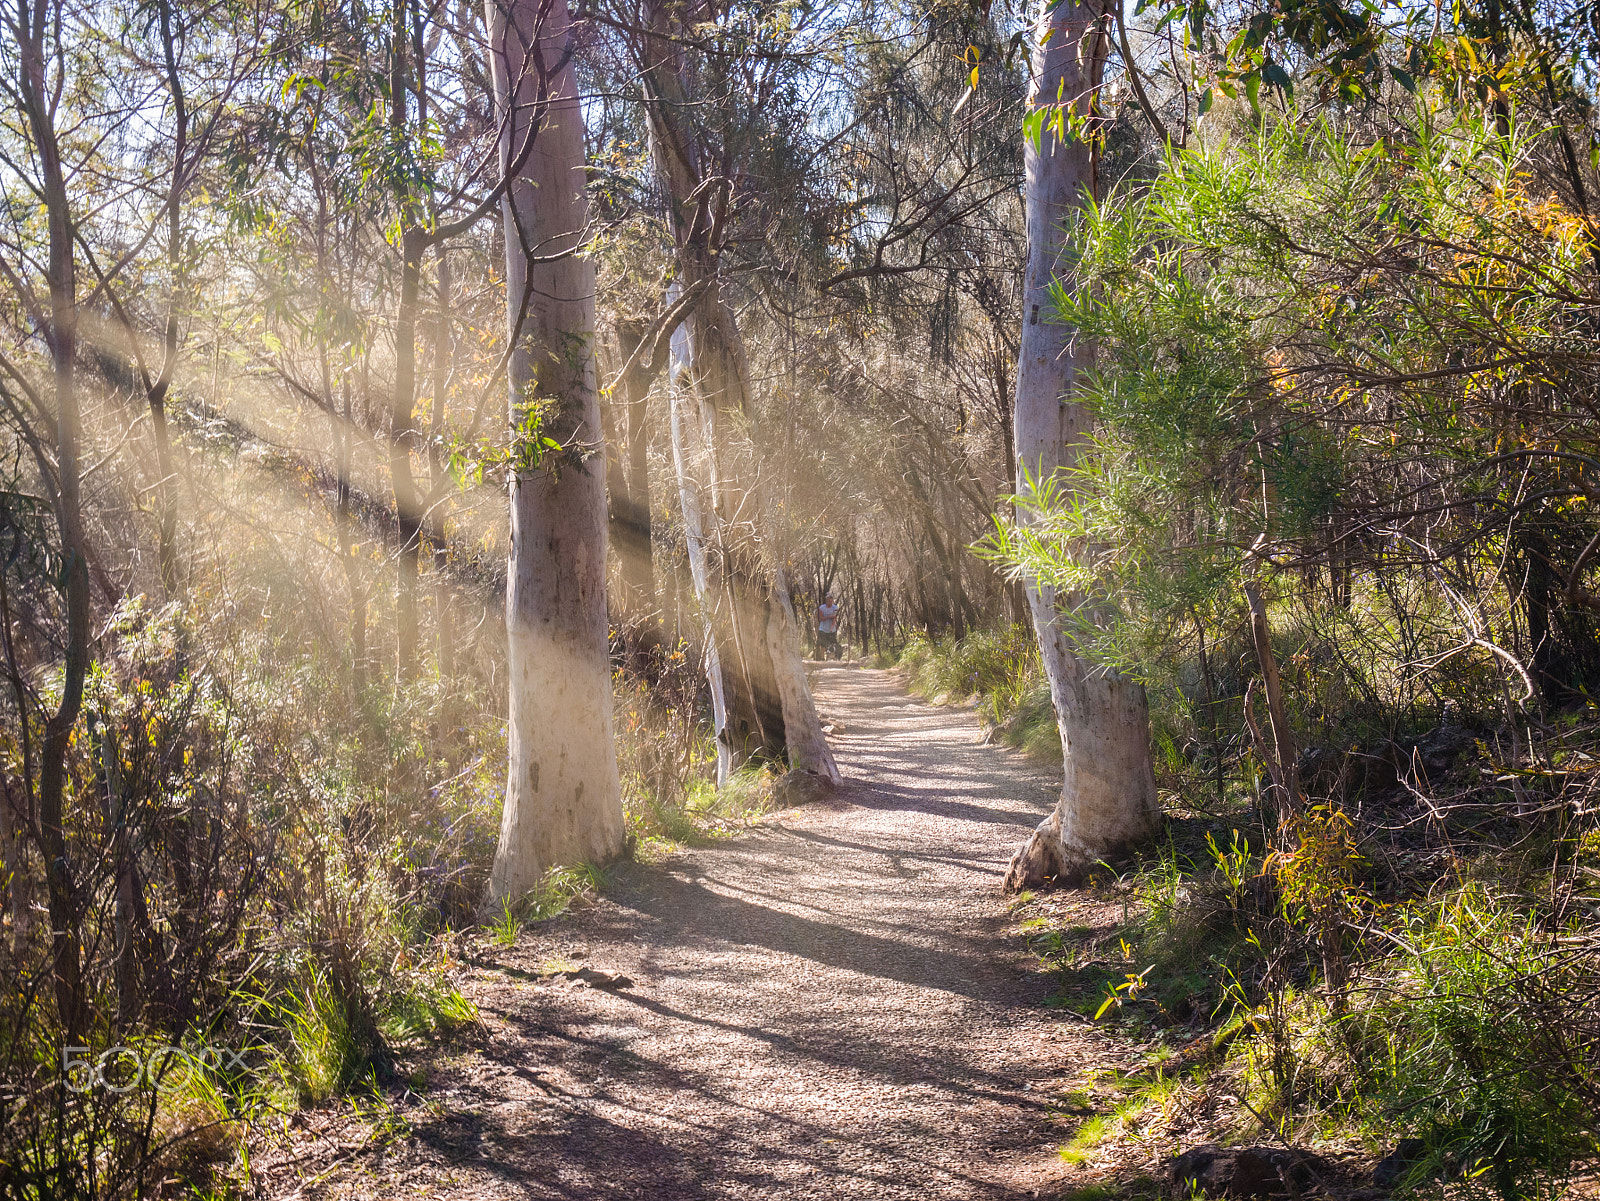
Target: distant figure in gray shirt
[{"x": 828, "y": 628}]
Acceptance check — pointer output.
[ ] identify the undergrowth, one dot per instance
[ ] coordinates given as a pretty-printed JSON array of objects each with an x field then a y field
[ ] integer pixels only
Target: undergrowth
[
  {"x": 667, "y": 757},
  {"x": 313, "y": 846},
  {"x": 1467, "y": 1019},
  {"x": 1409, "y": 951},
  {"x": 998, "y": 670}
]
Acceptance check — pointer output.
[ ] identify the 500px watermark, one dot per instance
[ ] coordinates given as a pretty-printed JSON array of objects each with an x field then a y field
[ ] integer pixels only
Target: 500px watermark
[{"x": 123, "y": 1069}]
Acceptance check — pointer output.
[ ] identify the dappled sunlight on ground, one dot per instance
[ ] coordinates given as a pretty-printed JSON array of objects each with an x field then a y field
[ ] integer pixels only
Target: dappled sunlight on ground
[{"x": 826, "y": 1007}]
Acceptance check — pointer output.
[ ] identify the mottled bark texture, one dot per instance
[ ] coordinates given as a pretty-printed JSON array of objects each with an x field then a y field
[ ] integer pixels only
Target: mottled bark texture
[
  {"x": 562, "y": 801},
  {"x": 808, "y": 746},
  {"x": 686, "y": 451},
  {"x": 1108, "y": 795}
]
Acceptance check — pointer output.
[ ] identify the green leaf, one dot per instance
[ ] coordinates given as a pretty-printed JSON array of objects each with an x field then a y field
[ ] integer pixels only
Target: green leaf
[
  {"x": 1205, "y": 102},
  {"x": 1403, "y": 78},
  {"x": 1252, "y": 91},
  {"x": 1033, "y": 129},
  {"x": 1058, "y": 125},
  {"x": 1105, "y": 1005}
]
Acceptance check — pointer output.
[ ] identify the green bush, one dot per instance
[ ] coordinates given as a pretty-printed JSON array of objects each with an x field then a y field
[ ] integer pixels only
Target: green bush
[
  {"x": 988, "y": 663},
  {"x": 999, "y": 667},
  {"x": 1469, "y": 1045}
]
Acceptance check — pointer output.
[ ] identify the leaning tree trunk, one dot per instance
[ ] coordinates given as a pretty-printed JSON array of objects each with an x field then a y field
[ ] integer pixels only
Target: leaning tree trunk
[
  {"x": 772, "y": 710},
  {"x": 802, "y": 728},
  {"x": 753, "y": 724},
  {"x": 758, "y": 671},
  {"x": 562, "y": 799},
  {"x": 630, "y": 526},
  {"x": 684, "y": 452},
  {"x": 751, "y": 721},
  {"x": 1108, "y": 795}
]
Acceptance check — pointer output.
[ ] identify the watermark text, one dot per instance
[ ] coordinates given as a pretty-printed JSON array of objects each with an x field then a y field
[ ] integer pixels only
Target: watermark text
[{"x": 122, "y": 1069}]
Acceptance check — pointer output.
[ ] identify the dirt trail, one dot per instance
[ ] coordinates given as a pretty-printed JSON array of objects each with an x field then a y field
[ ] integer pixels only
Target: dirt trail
[{"x": 825, "y": 1007}]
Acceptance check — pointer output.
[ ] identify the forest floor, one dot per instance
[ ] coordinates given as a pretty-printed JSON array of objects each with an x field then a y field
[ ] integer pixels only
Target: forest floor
[{"x": 832, "y": 1004}]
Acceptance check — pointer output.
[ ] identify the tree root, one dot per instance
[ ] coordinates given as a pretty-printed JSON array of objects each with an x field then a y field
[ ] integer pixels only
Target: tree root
[
  {"x": 801, "y": 787},
  {"x": 1045, "y": 857}
]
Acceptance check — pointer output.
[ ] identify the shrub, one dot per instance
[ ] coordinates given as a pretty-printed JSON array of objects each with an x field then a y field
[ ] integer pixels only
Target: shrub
[{"x": 1472, "y": 1044}]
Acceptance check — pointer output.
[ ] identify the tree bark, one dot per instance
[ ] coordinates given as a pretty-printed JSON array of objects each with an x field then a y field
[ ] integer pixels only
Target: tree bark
[
  {"x": 802, "y": 728},
  {"x": 402, "y": 422},
  {"x": 562, "y": 795},
  {"x": 630, "y": 522},
  {"x": 684, "y": 427},
  {"x": 62, "y": 337},
  {"x": 1108, "y": 796}
]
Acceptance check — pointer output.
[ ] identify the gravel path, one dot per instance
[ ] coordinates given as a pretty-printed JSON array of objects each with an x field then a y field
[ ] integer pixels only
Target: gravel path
[{"x": 826, "y": 1007}]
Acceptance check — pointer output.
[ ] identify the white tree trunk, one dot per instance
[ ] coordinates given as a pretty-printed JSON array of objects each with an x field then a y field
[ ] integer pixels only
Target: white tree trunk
[
  {"x": 760, "y": 674},
  {"x": 757, "y": 622},
  {"x": 1108, "y": 796},
  {"x": 802, "y": 728},
  {"x": 694, "y": 536},
  {"x": 562, "y": 798}
]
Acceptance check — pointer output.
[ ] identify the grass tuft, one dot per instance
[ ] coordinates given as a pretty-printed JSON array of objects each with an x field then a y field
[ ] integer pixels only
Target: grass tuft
[{"x": 1000, "y": 670}]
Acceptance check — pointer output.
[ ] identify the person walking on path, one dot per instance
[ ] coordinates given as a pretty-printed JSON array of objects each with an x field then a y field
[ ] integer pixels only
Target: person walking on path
[{"x": 828, "y": 628}]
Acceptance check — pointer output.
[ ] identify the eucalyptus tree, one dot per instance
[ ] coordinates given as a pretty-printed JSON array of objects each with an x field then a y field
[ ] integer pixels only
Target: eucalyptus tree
[
  {"x": 562, "y": 800},
  {"x": 1108, "y": 788},
  {"x": 44, "y": 405},
  {"x": 719, "y": 88},
  {"x": 1368, "y": 64}
]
